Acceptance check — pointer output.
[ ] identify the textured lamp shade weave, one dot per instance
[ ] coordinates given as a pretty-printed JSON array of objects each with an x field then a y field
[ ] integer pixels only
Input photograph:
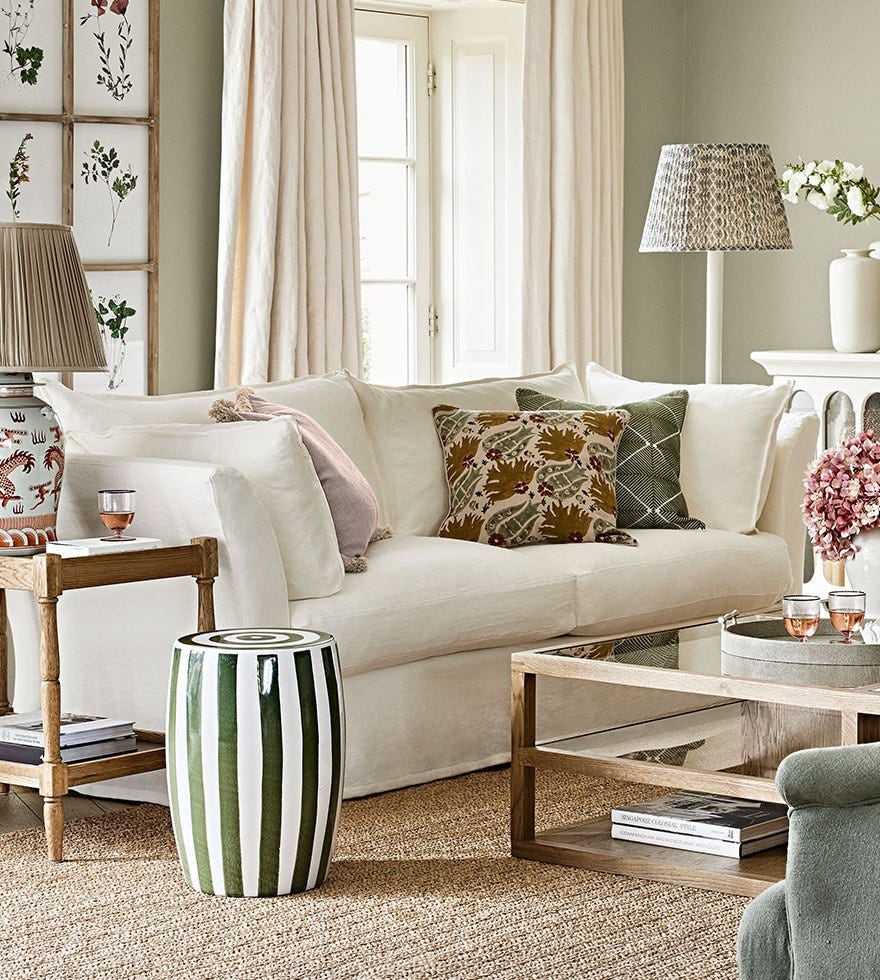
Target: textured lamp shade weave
[
  {"x": 47, "y": 322},
  {"x": 710, "y": 197}
]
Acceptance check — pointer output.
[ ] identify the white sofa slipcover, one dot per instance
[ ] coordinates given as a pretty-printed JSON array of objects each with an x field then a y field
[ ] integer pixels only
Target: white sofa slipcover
[{"x": 425, "y": 635}]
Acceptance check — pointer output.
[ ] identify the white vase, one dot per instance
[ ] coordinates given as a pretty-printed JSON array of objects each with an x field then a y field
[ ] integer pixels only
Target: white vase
[
  {"x": 854, "y": 283},
  {"x": 864, "y": 570}
]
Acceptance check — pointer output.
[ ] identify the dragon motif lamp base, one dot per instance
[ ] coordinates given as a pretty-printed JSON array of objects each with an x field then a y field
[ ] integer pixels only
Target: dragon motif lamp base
[{"x": 31, "y": 467}]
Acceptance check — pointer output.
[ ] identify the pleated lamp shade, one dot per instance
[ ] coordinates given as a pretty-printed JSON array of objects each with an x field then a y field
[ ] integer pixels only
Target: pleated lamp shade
[
  {"x": 715, "y": 197},
  {"x": 47, "y": 321}
]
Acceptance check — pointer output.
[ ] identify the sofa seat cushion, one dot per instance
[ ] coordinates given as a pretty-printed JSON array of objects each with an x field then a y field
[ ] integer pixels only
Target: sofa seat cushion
[
  {"x": 670, "y": 579},
  {"x": 424, "y": 597}
]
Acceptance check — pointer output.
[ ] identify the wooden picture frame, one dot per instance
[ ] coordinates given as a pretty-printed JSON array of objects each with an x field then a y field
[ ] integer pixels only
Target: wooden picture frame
[{"x": 81, "y": 15}]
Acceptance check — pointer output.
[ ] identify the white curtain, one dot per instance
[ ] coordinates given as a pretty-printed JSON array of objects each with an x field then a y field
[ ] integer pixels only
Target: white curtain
[
  {"x": 572, "y": 183},
  {"x": 288, "y": 296}
]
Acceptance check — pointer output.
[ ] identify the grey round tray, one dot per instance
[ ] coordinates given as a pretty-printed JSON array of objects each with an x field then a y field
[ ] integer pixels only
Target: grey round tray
[
  {"x": 766, "y": 640},
  {"x": 761, "y": 649}
]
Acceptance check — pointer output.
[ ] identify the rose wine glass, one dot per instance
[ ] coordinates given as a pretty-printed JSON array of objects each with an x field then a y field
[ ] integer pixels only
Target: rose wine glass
[
  {"x": 116, "y": 510},
  {"x": 800, "y": 615},
  {"x": 847, "y": 611}
]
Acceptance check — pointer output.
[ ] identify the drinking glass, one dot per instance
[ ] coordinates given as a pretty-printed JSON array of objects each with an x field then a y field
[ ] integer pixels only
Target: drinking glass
[
  {"x": 800, "y": 615},
  {"x": 116, "y": 510},
  {"x": 847, "y": 611}
]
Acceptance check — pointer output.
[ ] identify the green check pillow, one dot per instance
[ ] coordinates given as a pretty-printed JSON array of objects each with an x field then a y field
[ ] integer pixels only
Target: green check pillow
[{"x": 648, "y": 458}]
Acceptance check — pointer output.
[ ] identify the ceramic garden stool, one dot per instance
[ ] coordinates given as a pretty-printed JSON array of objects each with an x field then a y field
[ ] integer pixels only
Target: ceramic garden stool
[{"x": 256, "y": 754}]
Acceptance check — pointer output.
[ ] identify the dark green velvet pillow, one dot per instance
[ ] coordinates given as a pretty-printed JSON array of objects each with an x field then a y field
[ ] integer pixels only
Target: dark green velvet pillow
[{"x": 648, "y": 458}]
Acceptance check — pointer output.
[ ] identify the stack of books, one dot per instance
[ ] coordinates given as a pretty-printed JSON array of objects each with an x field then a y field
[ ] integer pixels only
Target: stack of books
[
  {"x": 82, "y": 737},
  {"x": 702, "y": 822}
]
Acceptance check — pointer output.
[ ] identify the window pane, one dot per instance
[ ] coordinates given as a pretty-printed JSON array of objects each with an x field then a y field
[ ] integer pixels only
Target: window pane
[
  {"x": 384, "y": 218},
  {"x": 385, "y": 319},
  {"x": 382, "y": 101}
]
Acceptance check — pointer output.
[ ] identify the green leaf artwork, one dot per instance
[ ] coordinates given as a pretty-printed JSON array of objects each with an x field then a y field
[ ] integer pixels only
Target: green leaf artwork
[
  {"x": 24, "y": 62},
  {"x": 19, "y": 173},
  {"x": 113, "y": 314},
  {"x": 103, "y": 166}
]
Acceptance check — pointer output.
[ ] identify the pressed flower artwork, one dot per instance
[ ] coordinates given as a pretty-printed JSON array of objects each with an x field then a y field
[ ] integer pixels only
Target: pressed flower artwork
[
  {"x": 102, "y": 165},
  {"x": 19, "y": 173},
  {"x": 30, "y": 153},
  {"x": 30, "y": 56},
  {"x": 120, "y": 300},
  {"x": 110, "y": 213},
  {"x": 111, "y": 57}
]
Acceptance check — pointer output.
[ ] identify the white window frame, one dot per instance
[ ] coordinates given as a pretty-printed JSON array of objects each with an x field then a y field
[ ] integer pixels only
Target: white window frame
[{"x": 414, "y": 29}]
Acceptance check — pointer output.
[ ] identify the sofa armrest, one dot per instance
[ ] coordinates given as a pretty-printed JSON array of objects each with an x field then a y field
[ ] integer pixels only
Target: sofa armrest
[
  {"x": 841, "y": 776},
  {"x": 795, "y": 447},
  {"x": 116, "y": 641}
]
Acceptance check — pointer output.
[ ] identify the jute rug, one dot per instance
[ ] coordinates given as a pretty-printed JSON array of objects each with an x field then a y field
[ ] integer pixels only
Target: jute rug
[{"x": 421, "y": 886}]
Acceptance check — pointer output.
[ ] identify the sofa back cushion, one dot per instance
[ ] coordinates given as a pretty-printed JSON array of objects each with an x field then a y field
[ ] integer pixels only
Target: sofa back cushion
[
  {"x": 520, "y": 478},
  {"x": 272, "y": 458},
  {"x": 400, "y": 424},
  {"x": 728, "y": 442},
  {"x": 329, "y": 400}
]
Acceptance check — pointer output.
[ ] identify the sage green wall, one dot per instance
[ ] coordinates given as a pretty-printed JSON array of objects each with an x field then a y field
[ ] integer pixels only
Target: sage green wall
[
  {"x": 191, "y": 75},
  {"x": 654, "y": 114},
  {"x": 753, "y": 70}
]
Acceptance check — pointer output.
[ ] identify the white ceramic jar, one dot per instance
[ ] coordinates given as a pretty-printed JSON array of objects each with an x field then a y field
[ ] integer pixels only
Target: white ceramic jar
[{"x": 854, "y": 283}]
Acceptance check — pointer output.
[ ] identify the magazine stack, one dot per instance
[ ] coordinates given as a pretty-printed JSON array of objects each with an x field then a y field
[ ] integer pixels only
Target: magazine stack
[
  {"x": 82, "y": 737},
  {"x": 703, "y": 822}
]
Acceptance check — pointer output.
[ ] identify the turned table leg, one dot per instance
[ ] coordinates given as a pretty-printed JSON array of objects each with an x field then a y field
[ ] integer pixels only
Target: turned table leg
[
  {"x": 53, "y": 774},
  {"x": 205, "y": 582},
  {"x": 4, "y": 669}
]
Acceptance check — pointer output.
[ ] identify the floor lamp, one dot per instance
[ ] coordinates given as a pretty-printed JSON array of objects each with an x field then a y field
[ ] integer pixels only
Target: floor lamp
[{"x": 715, "y": 198}]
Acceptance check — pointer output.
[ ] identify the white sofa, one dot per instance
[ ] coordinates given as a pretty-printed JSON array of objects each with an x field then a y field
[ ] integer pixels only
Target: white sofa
[{"x": 425, "y": 635}]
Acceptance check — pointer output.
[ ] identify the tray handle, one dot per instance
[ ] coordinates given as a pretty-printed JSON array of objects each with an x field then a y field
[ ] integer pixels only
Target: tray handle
[{"x": 728, "y": 619}]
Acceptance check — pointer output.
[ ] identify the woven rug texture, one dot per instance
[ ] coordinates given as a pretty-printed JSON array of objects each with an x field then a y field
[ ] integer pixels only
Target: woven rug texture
[{"x": 422, "y": 886}]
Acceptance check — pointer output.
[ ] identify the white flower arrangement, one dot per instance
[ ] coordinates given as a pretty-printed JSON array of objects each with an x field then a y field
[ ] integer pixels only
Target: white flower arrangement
[{"x": 835, "y": 186}]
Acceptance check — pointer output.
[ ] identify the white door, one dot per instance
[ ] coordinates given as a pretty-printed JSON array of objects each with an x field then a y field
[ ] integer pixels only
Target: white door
[{"x": 477, "y": 189}]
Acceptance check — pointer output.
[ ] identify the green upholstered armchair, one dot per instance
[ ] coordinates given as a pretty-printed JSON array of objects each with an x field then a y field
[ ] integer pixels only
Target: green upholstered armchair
[{"x": 823, "y": 921}]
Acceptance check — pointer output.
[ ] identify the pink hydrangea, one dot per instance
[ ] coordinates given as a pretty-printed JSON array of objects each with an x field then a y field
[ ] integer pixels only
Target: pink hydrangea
[{"x": 842, "y": 495}]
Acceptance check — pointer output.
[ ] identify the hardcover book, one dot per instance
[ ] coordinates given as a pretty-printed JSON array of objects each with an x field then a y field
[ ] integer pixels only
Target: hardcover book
[
  {"x": 32, "y": 755},
  {"x": 706, "y": 815},
  {"x": 27, "y": 729},
  {"x": 691, "y": 842},
  {"x": 82, "y": 547}
]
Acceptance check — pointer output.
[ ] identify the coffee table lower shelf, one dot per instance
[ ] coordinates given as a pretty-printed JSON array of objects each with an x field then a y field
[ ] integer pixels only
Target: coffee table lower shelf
[{"x": 590, "y": 845}]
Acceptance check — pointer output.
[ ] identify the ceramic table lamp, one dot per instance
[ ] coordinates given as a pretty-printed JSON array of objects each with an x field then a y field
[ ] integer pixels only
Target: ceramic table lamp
[
  {"x": 715, "y": 198},
  {"x": 47, "y": 323}
]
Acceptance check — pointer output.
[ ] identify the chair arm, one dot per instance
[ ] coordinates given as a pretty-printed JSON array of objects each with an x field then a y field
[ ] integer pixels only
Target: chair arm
[
  {"x": 795, "y": 447},
  {"x": 846, "y": 775},
  {"x": 116, "y": 641}
]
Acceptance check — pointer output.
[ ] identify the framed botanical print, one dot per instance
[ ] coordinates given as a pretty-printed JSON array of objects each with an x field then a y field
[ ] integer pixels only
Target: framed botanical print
[{"x": 79, "y": 144}]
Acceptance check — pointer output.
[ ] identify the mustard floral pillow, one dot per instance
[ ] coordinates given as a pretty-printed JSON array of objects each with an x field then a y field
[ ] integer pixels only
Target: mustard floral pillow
[{"x": 530, "y": 477}]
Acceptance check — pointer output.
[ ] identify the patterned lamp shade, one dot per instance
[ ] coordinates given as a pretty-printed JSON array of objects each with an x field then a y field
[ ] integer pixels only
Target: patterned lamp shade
[
  {"x": 47, "y": 321},
  {"x": 711, "y": 197}
]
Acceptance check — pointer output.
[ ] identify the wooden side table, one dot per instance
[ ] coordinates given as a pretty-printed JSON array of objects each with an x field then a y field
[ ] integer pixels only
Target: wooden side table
[{"x": 48, "y": 577}]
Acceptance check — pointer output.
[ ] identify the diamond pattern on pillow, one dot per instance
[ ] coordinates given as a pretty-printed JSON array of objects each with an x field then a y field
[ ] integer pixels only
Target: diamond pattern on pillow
[{"x": 649, "y": 494}]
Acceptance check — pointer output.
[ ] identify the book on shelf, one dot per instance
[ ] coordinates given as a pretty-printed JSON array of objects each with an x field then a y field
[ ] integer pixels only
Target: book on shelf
[
  {"x": 32, "y": 755},
  {"x": 27, "y": 729},
  {"x": 706, "y": 815},
  {"x": 82, "y": 547},
  {"x": 691, "y": 842}
]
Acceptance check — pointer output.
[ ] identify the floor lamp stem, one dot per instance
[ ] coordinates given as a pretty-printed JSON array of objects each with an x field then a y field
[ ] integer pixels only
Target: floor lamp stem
[{"x": 714, "y": 313}]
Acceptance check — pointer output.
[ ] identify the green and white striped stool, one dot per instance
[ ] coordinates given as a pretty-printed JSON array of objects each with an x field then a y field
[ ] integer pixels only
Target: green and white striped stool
[{"x": 256, "y": 755}]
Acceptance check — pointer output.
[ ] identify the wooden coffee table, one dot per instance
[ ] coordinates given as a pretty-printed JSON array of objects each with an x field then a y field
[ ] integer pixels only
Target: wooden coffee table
[{"x": 775, "y": 717}]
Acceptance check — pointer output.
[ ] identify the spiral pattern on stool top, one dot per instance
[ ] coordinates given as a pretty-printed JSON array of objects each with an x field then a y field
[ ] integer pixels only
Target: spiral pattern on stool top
[{"x": 231, "y": 641}]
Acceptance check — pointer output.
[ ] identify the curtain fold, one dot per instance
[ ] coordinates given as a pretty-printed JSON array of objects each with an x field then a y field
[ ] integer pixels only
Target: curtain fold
[
  {"x": 572, "y": 183},
  {"x": 288, "y": 273}
]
